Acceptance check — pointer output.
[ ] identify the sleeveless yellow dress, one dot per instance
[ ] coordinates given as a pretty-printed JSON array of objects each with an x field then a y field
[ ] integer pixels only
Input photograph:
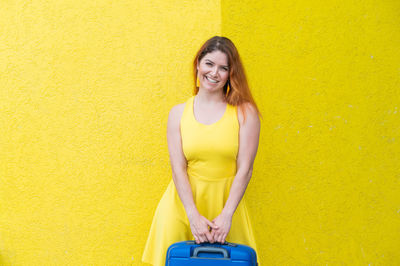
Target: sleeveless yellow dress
[{"x": 210, "y": 151}]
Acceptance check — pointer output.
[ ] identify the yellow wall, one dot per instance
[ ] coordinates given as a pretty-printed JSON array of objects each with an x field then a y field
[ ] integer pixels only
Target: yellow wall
[
  {"x": 85, "y": 90},
  {"x": 326, "y": 74}
]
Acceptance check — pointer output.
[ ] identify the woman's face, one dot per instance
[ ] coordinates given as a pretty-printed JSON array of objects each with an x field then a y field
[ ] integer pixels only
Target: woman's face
[{"x": 213, "y": 71}]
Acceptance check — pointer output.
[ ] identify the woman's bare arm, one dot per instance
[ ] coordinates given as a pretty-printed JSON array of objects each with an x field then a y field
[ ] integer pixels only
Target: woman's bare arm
[
  {"x": 248, "y": 144},
  {"x": 199, "y": 224},
  {"x": 178, "y": 160}
]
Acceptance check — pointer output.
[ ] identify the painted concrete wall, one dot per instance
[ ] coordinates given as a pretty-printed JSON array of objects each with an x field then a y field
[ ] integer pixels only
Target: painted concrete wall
[
  {"x": 326, "y": 74},
  {"x": 85, "y": 90}
]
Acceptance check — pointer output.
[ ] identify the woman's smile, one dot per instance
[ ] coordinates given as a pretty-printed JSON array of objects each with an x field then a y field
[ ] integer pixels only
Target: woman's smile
[{"x": 211, "y": 80}]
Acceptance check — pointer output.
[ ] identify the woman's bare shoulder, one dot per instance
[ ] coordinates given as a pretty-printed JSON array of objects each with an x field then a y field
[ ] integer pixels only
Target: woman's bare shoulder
[
  {"x": 176, "y": 112},
  {"x": 250, "y": 112}
]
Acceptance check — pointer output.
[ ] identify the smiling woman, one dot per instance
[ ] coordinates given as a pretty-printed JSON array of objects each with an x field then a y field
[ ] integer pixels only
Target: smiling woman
[
  {"x": 213, "y": 70},
  {"x": 212, "y": 148},
  {"x": 220, "y": 56}
]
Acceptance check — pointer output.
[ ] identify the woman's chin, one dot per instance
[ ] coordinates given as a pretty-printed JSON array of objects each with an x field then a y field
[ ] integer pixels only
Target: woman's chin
[{"x": 211, "y": 88}]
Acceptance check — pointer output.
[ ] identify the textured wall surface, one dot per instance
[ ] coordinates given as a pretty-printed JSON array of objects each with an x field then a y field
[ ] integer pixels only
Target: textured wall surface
[
  {"x": 85, "y": 90},
  {"x": 326, "y": 74}
]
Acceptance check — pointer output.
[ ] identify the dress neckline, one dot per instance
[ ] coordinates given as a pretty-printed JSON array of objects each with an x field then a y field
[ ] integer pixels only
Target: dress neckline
[{"x": 216, "y": 122}]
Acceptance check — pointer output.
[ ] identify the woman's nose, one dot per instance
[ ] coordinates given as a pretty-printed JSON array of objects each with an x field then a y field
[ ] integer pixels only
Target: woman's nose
[{"x": 214, "y": 71}]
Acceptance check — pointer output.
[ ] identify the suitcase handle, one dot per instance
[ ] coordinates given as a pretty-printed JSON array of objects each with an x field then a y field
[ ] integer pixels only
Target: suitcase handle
[
  {"x": 192, "y": 242},
  {"x": 210, "y": 250}
]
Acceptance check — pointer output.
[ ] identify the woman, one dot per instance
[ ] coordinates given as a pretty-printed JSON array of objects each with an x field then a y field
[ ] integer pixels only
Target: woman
[{"x": 212, "y": 142}]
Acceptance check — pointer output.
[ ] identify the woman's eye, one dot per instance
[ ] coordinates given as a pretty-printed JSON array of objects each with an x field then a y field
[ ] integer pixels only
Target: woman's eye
[{"x": 209, "y": 64}]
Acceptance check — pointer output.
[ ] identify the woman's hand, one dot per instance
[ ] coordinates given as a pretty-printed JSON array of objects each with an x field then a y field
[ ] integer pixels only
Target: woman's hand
[
  {"x": 200, "y": 228},
  {"x": 223, "y": 221}
]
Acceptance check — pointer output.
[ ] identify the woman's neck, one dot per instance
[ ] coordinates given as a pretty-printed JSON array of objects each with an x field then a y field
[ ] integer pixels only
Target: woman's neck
[{"x": 210, "y": 98}]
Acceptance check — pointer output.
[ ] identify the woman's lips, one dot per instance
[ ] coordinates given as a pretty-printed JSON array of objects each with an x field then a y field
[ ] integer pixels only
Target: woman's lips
[{"x": 211, "y": 80}]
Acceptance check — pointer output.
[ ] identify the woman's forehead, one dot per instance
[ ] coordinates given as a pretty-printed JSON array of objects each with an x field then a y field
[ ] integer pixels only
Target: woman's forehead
[{"x": 217, "y": 57}]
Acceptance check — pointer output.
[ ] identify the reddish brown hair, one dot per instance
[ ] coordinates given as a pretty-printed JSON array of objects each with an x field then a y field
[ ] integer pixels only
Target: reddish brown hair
[{"x": 239, "y": 92}]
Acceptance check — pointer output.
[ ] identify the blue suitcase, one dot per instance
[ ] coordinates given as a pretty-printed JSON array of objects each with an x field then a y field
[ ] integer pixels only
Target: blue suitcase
[{"x": 190, "y": 253}]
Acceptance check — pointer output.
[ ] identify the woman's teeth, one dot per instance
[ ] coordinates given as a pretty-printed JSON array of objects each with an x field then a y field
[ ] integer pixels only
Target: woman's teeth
[{"x": 211, "y": 80}]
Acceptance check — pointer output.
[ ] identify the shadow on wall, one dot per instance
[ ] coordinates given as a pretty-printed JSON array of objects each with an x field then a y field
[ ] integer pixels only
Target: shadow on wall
[{"x": 3, "y": 262}]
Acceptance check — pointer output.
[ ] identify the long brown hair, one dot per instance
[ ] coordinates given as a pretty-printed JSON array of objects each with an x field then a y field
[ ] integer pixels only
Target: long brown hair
[{"x": 239, "y": 92}]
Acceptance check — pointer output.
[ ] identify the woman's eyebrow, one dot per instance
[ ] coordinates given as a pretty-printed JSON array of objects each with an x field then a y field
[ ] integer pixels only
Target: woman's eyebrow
[{"x": 213, "y": 62}]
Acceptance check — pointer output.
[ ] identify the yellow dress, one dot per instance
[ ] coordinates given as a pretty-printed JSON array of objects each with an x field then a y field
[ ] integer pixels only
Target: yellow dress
[{"x": 211, "y": 152}]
